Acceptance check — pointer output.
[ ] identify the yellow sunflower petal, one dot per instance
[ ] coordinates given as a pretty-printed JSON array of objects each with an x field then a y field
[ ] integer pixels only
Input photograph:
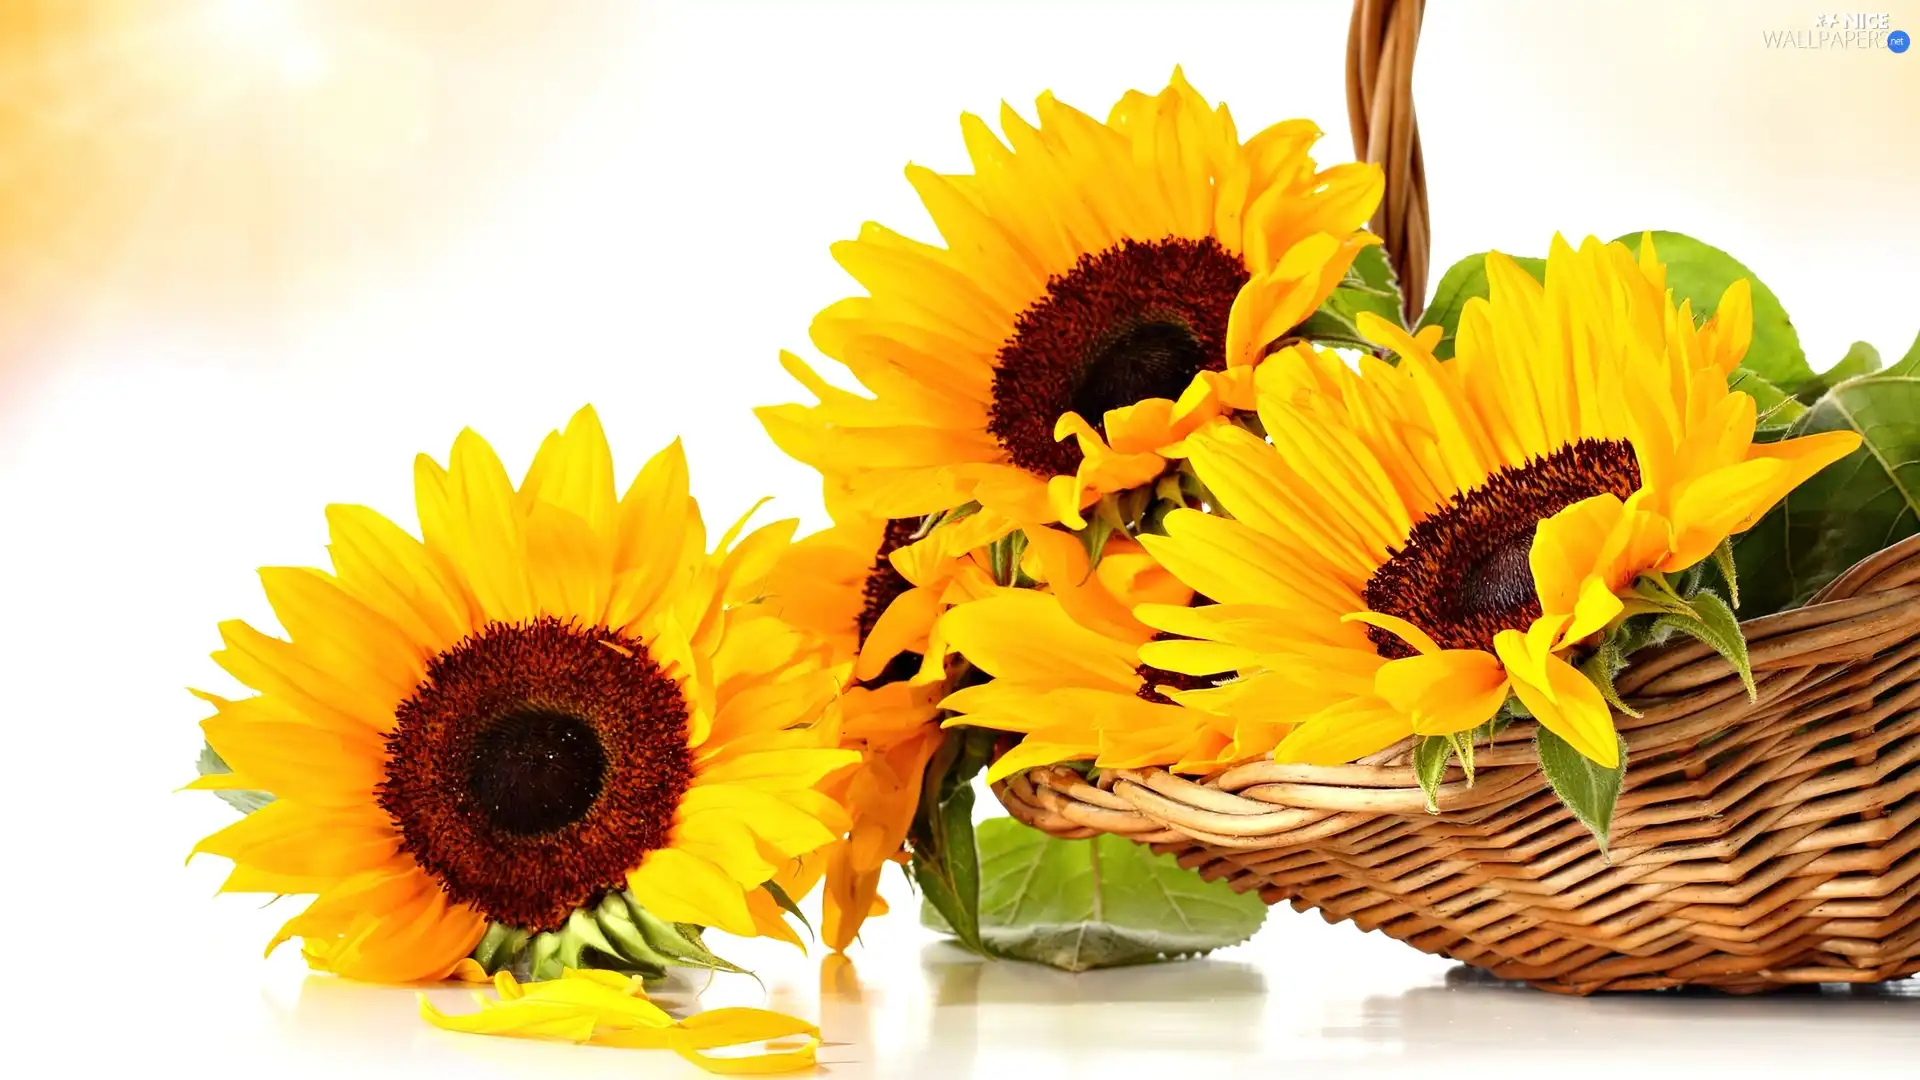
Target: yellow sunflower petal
[
  {"x": 1560, "y": 698},
  {"x": 1445, "y": 692},
  {"x": 680, "y": 887}
]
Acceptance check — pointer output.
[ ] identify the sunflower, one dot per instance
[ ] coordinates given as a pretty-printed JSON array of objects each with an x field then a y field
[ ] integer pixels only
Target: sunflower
[
  {"x": 1075, "y": 686},
  {"x": 1417, "y": 541},
  {"x": 872, "y": 590},
  {"x": 558, "y": 694},
  {"x": 1116, "y": 283}
]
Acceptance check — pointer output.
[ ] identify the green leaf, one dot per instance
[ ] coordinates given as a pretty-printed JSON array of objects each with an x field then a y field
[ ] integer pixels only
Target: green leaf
[
  {"x": 1861, "y": 359},
  {"x": 1370, "y": 285},
  {"x": 211, "y": 764},
  {"x": 1463, "y": 281},
  {"x": 1852, "y": 508},
  {"x": 1105, "y": 902},
  {"x": 1333, "y": 328},
  {"x": 945, "y": 864},
  {"x": 1777, "y": 409},
  {"x": 1430, "y": 756},
  {"x": 1584, "y": 786},
  {"x": 1700, "y": 273}
]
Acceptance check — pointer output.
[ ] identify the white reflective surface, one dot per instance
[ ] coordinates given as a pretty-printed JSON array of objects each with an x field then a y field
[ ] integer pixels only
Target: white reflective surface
[{"x": 1302, "y": 995}]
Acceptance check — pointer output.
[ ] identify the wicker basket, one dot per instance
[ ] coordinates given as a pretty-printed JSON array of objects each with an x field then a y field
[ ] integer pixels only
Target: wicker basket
[{"x": 1756, "y": 845}]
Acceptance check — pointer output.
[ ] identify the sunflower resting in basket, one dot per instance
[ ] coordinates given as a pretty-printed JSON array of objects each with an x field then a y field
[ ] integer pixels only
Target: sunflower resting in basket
[{"x": 1119, "y": 356}]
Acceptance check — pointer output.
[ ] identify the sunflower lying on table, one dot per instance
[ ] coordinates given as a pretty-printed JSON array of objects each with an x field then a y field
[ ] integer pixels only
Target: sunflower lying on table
[{"x": 556, "y": 732}]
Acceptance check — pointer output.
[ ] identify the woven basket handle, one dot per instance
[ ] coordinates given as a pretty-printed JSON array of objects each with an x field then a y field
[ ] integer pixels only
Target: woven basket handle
[{"x": 1380, "y": 46}]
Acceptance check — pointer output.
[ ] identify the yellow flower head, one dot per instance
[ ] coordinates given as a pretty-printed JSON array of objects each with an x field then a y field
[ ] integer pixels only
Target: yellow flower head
[
  {"x": 1417, "y": 541},
  {"x": 843, "y": 585},
  {"x": 559, "y": 691},
  {"x": 1104, "y": 290},
  {"x": 1068, "y": 677}
]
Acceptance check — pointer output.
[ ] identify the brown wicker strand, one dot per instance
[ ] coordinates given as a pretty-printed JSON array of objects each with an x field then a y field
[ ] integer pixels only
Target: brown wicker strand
[{"x": 1380, "y": 45}]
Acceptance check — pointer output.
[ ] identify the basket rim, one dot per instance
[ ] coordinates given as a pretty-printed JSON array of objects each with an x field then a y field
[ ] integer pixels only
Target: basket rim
[{"x": 1683, "y": 692}]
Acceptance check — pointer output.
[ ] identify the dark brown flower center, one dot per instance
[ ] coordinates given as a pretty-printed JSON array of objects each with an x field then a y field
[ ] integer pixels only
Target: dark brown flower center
[
  {"x": 1465, "y": 573},
  {"x": 1135, "y": 321},
  {"x": 1152, "y": 677},
  {"x": 535, "y": 765},
  {"x": 883, "y": 586}
]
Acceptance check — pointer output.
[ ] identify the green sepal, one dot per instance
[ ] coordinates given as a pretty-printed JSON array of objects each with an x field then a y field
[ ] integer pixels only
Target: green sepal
[
  {"x": 787, "y": 905},
  {"x": 212, "y": 764},
  {"x": 1729, "y": 573},
  {"x": 1603, "y": 667},
  {"x": 1710, "y": 620},
  {"x": 1430, "y": 756},
  {"x": 1654, "y": 594},
  {"x": 616, "y": 934},
  {"x": 614, "y": 919},
  {"x": 1003, "y": 557},
  {"x": 1108, "y": 518},
  {"x": 542, "y": 957},
  {"x": 1462, "y": 742},
  {"x": 1584, "y": 786},
  {"x": 945, "y": 862},
  {"x": 498, "y": 945}
]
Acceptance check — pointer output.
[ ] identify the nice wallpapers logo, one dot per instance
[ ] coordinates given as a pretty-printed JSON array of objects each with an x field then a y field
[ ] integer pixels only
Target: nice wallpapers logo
[{"x": 1844, "y": 30}]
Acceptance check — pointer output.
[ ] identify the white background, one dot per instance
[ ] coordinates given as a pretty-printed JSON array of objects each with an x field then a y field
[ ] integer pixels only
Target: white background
[{"x": 630, "y": 205}]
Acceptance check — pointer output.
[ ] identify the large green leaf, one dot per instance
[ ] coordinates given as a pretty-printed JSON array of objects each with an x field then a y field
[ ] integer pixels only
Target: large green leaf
[
  {"x": 211, "y": 763},
  {"x": 1463, "y": 281},
  {"x": 1586, "y": 787},
  {"x": 1370, "y": 285},
  {"x": 1851, "y": 509},
  {"x": 945, "y": 864},
  {"x": 1105, "y": 902},
  {"x": 1777, "y": 409},
  {"x": 1861, "y": 359},
  {"x": 1700, "y": 272}
]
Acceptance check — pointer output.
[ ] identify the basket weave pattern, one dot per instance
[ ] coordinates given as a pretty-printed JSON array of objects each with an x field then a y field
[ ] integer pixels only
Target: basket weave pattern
[{"x": 1756, "y": 845}]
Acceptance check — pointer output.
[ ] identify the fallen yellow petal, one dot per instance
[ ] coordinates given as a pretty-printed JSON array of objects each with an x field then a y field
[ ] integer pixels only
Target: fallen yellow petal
[{"x": 606, "y": 1009}]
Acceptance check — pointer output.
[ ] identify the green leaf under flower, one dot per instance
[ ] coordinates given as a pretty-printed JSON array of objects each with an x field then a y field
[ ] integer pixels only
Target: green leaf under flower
[
  {"x": 1861, "y": 359},
  {"x": 1104, "y": 902},
  {"x": 1852, "y": 508},
  {"x": 945, "y": 864},
  {"x": 1586, "y": 787},
  {"x": 1370, "y": 285}
]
